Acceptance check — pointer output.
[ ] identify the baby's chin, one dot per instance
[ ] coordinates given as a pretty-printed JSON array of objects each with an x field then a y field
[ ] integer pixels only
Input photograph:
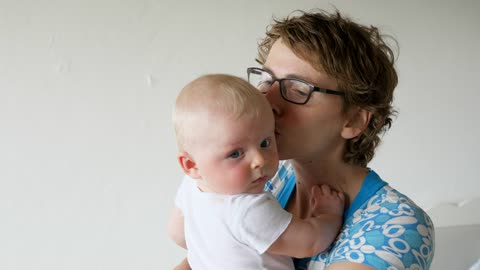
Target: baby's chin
[{"x": 256, "y": 191}]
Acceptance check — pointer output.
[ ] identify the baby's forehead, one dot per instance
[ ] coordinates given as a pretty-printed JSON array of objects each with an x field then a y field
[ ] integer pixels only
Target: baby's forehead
[{"x": 215, "y": 116}]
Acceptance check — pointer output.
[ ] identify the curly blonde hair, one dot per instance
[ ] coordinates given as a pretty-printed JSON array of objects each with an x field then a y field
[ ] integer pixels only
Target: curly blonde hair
[{"x": 356, "y": 56}]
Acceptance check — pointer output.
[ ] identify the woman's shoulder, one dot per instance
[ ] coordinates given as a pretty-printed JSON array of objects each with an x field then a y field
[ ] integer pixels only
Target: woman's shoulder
[
  {"x": 389, "y": 206},
  {"x": 388, "y": 230}
]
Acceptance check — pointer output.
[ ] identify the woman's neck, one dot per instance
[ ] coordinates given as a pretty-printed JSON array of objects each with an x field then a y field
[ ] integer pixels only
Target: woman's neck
[{"x": 342, "y": 177}]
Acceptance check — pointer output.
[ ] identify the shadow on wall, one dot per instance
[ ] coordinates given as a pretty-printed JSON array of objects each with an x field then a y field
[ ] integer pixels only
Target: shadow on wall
[
  {"x": 456, "y": 214},
  {"x": 457, "y": 235}
]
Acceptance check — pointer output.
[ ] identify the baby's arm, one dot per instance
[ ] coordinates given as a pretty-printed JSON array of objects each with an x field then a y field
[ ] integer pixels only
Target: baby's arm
[
  {"x": 176, "y": 229},
  {"x": 183, "y": 265},
  {"x": 308, "y": 237}
]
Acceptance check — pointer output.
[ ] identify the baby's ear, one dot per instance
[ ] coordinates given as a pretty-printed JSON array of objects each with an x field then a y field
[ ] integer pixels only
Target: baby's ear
[
  {"x": 188, "y": 164},
  {"x": 357, "y": 121}
]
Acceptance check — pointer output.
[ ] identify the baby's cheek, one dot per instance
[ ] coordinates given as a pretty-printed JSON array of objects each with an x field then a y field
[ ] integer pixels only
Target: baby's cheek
[{"x": 241, "y": 178}]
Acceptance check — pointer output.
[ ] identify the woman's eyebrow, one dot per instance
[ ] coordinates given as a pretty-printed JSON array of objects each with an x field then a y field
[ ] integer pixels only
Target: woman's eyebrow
[
  {"x": 268, "y": 70},
  {"x": 289, "y": 76}
]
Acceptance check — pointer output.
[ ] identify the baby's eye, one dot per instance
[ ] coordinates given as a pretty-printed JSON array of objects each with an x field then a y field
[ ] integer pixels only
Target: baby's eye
[
  {"x": 235, "y": 154},
  {"x": 265, "y": 143}
]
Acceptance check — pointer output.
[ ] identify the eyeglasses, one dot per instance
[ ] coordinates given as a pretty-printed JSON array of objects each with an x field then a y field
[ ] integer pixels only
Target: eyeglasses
[{"x": 292, "y": 90}]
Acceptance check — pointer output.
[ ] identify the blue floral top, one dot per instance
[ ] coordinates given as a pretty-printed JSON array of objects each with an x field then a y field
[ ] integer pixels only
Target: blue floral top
[{"x": 382, "y": 227}]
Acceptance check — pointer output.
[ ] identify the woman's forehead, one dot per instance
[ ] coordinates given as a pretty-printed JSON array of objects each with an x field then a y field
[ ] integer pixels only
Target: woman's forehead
[{"x": 282, "y": 62}]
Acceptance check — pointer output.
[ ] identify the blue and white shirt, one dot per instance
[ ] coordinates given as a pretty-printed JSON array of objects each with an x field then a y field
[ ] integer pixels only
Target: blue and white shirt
[{"x": 382, "y": 228}]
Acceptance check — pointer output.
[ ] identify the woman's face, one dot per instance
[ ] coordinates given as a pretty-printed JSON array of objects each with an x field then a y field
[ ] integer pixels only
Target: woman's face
[{"x": 310, "y": 131}]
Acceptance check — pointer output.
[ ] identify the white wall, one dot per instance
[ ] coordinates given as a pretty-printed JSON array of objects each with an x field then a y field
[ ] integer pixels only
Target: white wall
[{"x": 87, "y": 154}]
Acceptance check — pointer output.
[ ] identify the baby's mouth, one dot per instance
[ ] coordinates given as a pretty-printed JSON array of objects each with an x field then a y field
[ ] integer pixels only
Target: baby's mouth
[{"x": 260, "y": 179}]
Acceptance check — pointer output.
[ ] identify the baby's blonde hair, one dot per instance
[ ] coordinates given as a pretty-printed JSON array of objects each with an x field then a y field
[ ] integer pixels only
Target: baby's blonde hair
[{"x": 218, "y": 94}]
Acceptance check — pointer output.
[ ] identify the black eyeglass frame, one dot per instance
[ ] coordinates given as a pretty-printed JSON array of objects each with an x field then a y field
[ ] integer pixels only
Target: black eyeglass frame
[{"x": 313, "y": 88}]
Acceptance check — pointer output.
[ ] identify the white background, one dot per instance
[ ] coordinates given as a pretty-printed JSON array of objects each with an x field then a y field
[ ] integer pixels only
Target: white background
[{"x": 87, "y": 154}]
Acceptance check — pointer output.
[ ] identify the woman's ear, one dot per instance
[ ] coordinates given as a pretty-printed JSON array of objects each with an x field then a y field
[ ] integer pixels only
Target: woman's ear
[
  {"x": 357, "y": 121},
  {"x": 188, "y": 164}
]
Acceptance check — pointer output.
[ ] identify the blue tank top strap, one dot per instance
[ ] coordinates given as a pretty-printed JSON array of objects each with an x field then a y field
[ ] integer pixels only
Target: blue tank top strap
[
  {"x": 283, "y": 183},
  {"x": 287, "y": 190},
  {"x": 370, "y": 186}
]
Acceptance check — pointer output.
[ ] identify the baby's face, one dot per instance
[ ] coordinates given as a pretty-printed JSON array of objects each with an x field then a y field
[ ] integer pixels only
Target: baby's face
[{"x": 236, "y": 155}]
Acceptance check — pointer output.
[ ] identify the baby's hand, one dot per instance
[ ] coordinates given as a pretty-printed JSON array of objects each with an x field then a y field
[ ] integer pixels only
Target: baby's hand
[{"x": 325, "y": 200}]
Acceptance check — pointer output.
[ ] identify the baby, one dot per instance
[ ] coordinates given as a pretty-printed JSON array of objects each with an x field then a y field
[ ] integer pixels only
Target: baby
[{"x": 225, "y": 132}]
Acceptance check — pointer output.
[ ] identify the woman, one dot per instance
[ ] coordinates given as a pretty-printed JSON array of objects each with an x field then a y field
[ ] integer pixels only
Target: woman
[{"x": 330, "y": 82}]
